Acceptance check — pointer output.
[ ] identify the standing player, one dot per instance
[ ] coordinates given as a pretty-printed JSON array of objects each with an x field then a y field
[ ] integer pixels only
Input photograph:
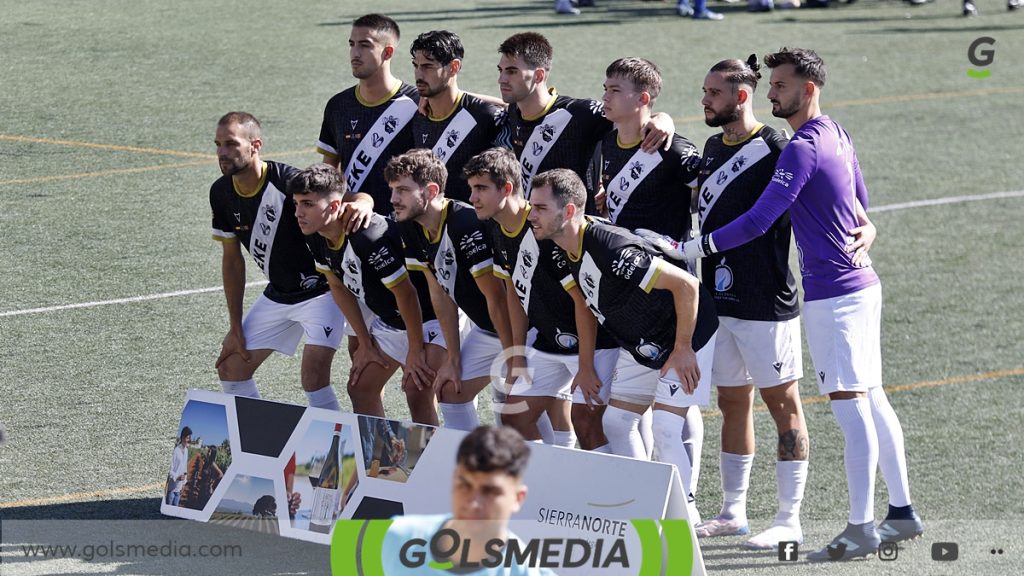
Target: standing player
[
  {"x": 367, "y": 124},
  {"x": 251, "y": 207},
  {"x": 444, "y": 239},
  {"x": 818, "y": 179},
  {"x": 755, "y": 295},
  {"x": 368, "y": 267},
  {"x": 457, "y": 125},
  {"x": 568, "y": 354},
  {"x": 657, "y": 312},
  {"x": 551, "y": 131}
]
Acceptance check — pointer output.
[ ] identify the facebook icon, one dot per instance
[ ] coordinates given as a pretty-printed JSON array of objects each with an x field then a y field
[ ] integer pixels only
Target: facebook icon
[{"x": 788, "y": 551}]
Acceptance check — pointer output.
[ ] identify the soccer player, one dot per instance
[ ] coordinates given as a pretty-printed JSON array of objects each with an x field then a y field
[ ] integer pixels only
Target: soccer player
[
  {"x": 251, "y": 207},
  {"x": 368, "y": 267},
  {"x": 552, "y": 131},
  {"x": 457, "y": 125},
  {"x": 658, "y": 313},
  {"x": 487, "y": 489},
  {"x": 447, "y": 242},
  {"x": 568, "y": 355},
  {"x": 756, "y": 298},
  {"x": 367, "y": 124},
  {"x": 818, "y": 179}
]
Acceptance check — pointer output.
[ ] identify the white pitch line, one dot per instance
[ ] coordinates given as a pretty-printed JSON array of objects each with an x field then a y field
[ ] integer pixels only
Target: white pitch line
[
  {"x": 950, "y": 200},
  {"x": 884, "y": 208},
  {"x": 121, "y": 300}
]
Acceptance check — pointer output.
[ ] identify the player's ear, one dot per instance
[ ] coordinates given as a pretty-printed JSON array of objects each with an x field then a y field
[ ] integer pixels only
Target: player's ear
[
  {"x": 540, "y": 75},
  {"x": 742, "y": 96},
  {"x": 521, "y": 495},
  {"x": 389, "y": 51},
  {"x": 256, "y": 144},
  {"x": 809, "y": 88},
  {"x": 456, "y": 65},
  {"x": 433, "y": 190},
  {"x": 645, "y": 98},
  {"x": 507, "y": 189}
]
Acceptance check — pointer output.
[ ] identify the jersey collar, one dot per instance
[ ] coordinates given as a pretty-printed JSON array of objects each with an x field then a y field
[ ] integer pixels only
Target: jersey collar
[
  {"x": 579, "y": 248},
  {"x": 544, "y": 112},
  {"x": 259, "y": 186},
  {"x": 398, "y": 87},
  {"x": 514, "y": 233},
  {"x": 458, "y": 101},
  {"x": 440, "y": 225},
  {"x": 752, "y": 133}
]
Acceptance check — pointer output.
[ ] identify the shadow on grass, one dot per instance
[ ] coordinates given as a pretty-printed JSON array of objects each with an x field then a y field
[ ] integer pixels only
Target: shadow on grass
[{"x": 129, "y": 509}]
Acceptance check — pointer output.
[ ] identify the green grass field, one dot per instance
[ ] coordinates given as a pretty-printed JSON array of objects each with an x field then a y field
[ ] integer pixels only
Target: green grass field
[{"x": 106, "y": 157}]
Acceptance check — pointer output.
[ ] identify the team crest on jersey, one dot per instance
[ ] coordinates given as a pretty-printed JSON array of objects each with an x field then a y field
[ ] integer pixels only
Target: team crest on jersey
[
  {"x": 381, "y": 258},
  {"x": 624, "y": 184},
  {"x": 270, "y": 212},
  {"x": 738, "y": 163},
  {"x": 636, "y": 170},
  {"x": 566, "y": 340},
  {"x": 453, "y": 137},
  {"x": 377, "y": 140},
  {"x": 390, "y": 123},
  {"x": 588, "y": 283},
  {"x": 648, "y": 350},
  {"x": 547, "y": 132},
  {"x": 537, "y": 148},
  {"x": 722, "y": 177},
  {"x": 352, "y": 266},
  {"x": 308, "y": 282}
]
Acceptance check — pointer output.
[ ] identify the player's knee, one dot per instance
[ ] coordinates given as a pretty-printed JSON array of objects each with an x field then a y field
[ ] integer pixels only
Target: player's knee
[
  {"x": 668, "y": 428},
  {"x": 734, "y": 403},
  {"x": 234, "y": 369}
]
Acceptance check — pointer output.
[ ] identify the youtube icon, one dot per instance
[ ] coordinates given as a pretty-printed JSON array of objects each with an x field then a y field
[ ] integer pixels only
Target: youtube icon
[{"x": 945, "y": 551}]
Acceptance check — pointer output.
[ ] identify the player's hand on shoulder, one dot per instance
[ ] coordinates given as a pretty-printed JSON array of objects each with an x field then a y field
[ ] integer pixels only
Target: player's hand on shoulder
[
  {"x": 658, "y": 133},
  {"x": 355, "y": 215}
]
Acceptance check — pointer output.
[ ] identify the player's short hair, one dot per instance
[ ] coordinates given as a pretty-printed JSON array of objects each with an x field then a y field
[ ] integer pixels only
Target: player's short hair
[
  {"x": 186, "y": 431},
  {"x": 532, "y": 47},
  {"x": 380, "y": 24},
  {"x": 500, "y": 164},
  {"x": 736, "y": 71},
  {"x": 421, "y": 165},
  {"x": 643, "y": 73},
  {"x": 320, "y": 179},
  {"x": 806, "y": 62},
  {"x": 440, "y": 46},
  {"x": 494, "y": 449},
  {"x": 566, "y": 187},
  {"x": 244, "y": 120}
]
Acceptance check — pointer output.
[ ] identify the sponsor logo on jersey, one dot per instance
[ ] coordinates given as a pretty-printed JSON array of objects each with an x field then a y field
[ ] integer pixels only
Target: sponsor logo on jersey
[
  {"x": 547, "y": 132},
  {"x": 588, "y": 283},
  {"x": 566, "y": 340},
  {"x": 537, "y": 148},
  {"x": 708, "y": 160},
  {"x": 723, "y": 277},
  {"x": 738, "y": 163},
  {"x": 390, "y": 123},
  {"x": 597, "y": 107},
  {"x": 822, "y": 376},
  {"x": 777, "y": 366},
  {"x": 627, "y": 262},
  {"x": 381, "y": 258},
  {"x": 308, "y": 282},
  {"x": 423, "y": 137},
  {"x": 783, "y": 177},
  {"x": 471, "y": 244},
  {"x": 441, "y": 153},
  {"x": 635, "y": 170},
  {"x": 265, "y": 228},
  {"x": 377, "y": 140},
  {"x": 648, "y": 350},
  {"x": 431, "y": 335}
]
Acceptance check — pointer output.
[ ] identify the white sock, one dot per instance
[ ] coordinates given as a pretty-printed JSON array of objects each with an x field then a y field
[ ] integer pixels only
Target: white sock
[
  {"x": 647, "y": 431},
  {"x": 603, "y": 449},
  {"x": 621, "y": 427},
  {"x": 565, "y": 438},
  {"x": 460, "y": 416},
  {"x": 860, "y": 455},
  {"x": 735, "y": 471},
  {"x": 547, "y": 433},
  {"x": 693, "y": 440},
  {"x": 791, "y": 476},
  {"x": 892, "y": 458},
  {"x": 668, "y": 435},
  {"x": 324, "y": 398},
  {"x": 242, "y": 388}
]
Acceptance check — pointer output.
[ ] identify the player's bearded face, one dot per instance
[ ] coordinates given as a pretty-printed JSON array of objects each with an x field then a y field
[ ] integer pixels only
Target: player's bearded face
[
  {"x": 720, "y": 105},
  {"x": 235, "y": 151},
  {"x": 786, "y": 93},
  {"x": 408, "y": 199},
  {"x": 366, "y": 52},
  {"x": 726, "y": 115},
  {"x": 546, "y": 218},
  {"x": 432, "y": 78}
]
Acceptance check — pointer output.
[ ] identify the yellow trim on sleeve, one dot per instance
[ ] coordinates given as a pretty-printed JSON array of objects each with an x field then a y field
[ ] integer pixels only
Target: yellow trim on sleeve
[
  {"x": 572, "y": 284},
  {"x": 481, "y": 271},
  {"x": 326, "y": 153},
  {"x": 500, "y": 273},
  {"x": 654, "y": 277},
  {"x": 224, "y": 239},
  {"x": 396, "y": 281},
  {"x": 383, "y": 100}
]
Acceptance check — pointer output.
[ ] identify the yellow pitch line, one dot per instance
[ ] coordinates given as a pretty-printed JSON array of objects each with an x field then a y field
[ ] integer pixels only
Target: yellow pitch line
[
  {"x": 760, "y": 408},
  {"x": 900, "y": 98},
  {"x": 116, "y": 171},
  {"x": 82, "y": 496},
  {"x": 93, "y": 145}
]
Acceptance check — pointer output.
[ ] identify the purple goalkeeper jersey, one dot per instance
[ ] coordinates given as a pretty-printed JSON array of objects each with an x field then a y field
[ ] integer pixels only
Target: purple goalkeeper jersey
[{"x": 818, "y": 179}]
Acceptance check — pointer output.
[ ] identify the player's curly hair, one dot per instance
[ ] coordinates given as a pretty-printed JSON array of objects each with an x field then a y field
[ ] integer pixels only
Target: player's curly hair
[
  {"x": 532, "y": 47},
  {"x": 807, "y": 63},
  {"x": 320, "y": 179},
  {"x": 440, "y": 46},
  {"x": 494, "y": 449},
  {"x": 500, "y": 164},
  {"x": 421, "y": 165},
  {"x": 736, "y": 71},
  {"x": 643, "y": 73}
]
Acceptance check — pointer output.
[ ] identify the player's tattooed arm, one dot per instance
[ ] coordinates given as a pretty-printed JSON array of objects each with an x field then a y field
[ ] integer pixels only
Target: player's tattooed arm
[
  {"x": 793, "y": 445},
  {"x": 233, "y": 276},
  {"x": 658, "y": 133}
]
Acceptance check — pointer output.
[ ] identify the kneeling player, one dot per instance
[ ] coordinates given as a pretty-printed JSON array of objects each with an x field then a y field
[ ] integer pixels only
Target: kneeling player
[
  {"x": 368, "y": 267},
  {"x": 659, "y": 314}
]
